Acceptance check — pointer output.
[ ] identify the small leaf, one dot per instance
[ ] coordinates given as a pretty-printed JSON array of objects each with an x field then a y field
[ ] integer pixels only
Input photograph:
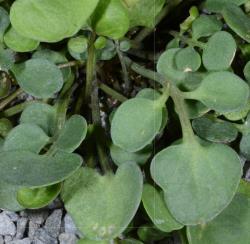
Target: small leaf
[
  {"x": 237, "y": 20},
  {"x": 234, "y": 221},
  {"x": 78, "y": 44},
  {"x": 244, "y": 188},
  {"x": 103, "y": 206},
  {"x": 221, "y": 91},
  {"x": 39, "y": 77},
  {"x": 39, "y": 197},
  {"x": 72, "y": 135},
  {"x": 120, "y": 156},
  {"x": 19, "y": 43},
  {"x": 215, "y": 131},
  {"x": 154, "y": 204},
  {"x": 4, "y": 22},
  {"x": 8, "y": 199},
  {"x": 131, "y": 127},
  {"x": 110, "y": 19},
  {"x": 50, "y": 21},
  {"x": 205, "y": 177},
  {"x": 27, "y": 169},
  {"x": 188, "y": 60},
  {"x": 26, "y": 137},
  {"x": 143, "y": 12},
  {"x": 205, "y": 25},
  {"x": 219, "y": 52},
  {"x": 40, "y": 114},
  {"x": 218, "y": 5},
  {"x": 149, "y": 233}
]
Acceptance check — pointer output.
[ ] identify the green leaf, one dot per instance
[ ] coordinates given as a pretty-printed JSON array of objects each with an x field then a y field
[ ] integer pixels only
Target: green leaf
[
  {"x": 40, "y": 114},
  {"x": 244, "y": 188},
  {"x": 238, "y": 115},
  {"x": 110, "y": 19},
  {"x": 50, "y": 21},
  {"x": 5, "y": 127},
  {"x": 247, "y": 71},
  {"x": 103, "y": 206},
  {"x": 237, "y": 20},
  {"x": 219, "y": 52},
  {"x": 205, "y": 25},
  {"x": 7, "y": 59},
  {"x": 245, "y": 146},
  {"x": 120, "y": 156},
  {"x": 39, "y": 77},
  {"x": 219, "y": 5},
  {"x": 215, "y": 131},
  {"x": 149, "y": 234},
  {"x": 72, "y": 135},
  {"x": 4, "y": 22},
  {"x": 28, "y": 137},
  {"x": 153, "y": 202},
  {"x": 231, "y": 226},
  {"x": 19, "y": 43},
  {"x": 221, "y": 91},
  {"x": 8, "y": 194},
  {"x": 143, "y": 12},
  {"x": 131, "y": 127},
  {"x": 195, "y": 109},
  {"x": 27, "y": 169},
  {"x": 129, "y": 241},
  {"x": 188, "y": 60},
  {"x": 205, "y": 177},
  {"x": 78, "y": 44},
  {"x": 56, "y": 58},
  {"x": 39, "y": 197}
]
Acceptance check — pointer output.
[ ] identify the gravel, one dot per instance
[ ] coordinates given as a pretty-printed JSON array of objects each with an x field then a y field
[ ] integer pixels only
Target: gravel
[{"x": 7, "y": 227}]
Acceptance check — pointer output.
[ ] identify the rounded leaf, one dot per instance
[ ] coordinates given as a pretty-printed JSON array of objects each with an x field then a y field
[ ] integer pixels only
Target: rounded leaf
[
  {"x": 39, "y": 77},
  {"x": 39, "y": 197},
  {"x": 154, "y": 204},
  {"x": 219, "y": 5},
  {"x": 245, "y": 146},
  {"x": 205, "y": 178},
  {"x": 116, "y": 199},
  {"x": 50, "y": 21},
  {"x": 27, "y": 169},
  {"x": 219, "y": 52},
  {"x": 28, "y": 137},
  {"x": 19, "y": 43},
  {"x": 222, "y": 91},
  {"x": 4, "y": 22},
  {"x": 135, "y": 124},
  {"x": 78, "y": 44}
]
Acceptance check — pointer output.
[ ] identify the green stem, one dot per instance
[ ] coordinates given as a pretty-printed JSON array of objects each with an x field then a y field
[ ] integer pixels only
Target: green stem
[
  {"x": 147, "y": 31},
  {"x": 150, "y": 74},
  {"x": 126, "y": 80},
  {"x": 116, "y": 95},
  {"x": 16, "y": 109},
  {"x": 10, "y": 98},
  {"x": 187, "y": 40},
  {"x": 180, "y": 107}
]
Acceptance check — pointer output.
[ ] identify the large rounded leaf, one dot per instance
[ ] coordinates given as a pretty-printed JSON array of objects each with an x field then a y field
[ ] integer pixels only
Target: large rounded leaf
[
  {"x": 230, "y": 227},
  {"x": 27, "y": 169},
  {"x": 39, "y": 77},
  {"x": 221, "y": 91},
  {"x": 135, "y": 124},
  {"x": 218, "y": 5},
  {"x": 50, "y": 21},
  {"x": 154, "y": 204},
  {"x": 103, "y": 206},
  {"x": 198, "y": 181},
  {"x": 217, "y": 55},
  {"x": 110, "y": 19}
]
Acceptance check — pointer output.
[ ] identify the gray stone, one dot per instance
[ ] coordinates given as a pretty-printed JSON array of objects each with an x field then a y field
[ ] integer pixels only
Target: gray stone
[
  {"x": 33, "y": 227},
  {"x": 67, "y": 238},
  {"x": 69, "y": 225},
  {"x": 21, "y": 227},
  {"x": 38, "y": 216},
  {"x": 23, "y": 241},
  {"x": 1, "y": 240},
  {"x": 12, "y": 215},
  {"x": 53, "y": 223},
  {"x": 7, "y": 227},
  {"x": 42, "y": 237},
  {"x": 8, "y": 239}
]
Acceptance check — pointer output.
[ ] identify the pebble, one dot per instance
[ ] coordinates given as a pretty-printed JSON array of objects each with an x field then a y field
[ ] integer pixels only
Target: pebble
[
  {"x": 32, "y": 229},
  {"x": 38, "y": 217},
  {"x": 12, "y": 215},
  {"x": 42, "y": 237},
  {"x": 67, "y": 238},
  {"x": 23, "y": 241},
  {"x": 21, "y": 227},
  {"x": 53, "y": 223},
  {"x": 1, "y": 240},
  {"x": 69, "y": 225},
  {"x": 8, "y": 239},
  {"x": 7, "y": 227}
]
